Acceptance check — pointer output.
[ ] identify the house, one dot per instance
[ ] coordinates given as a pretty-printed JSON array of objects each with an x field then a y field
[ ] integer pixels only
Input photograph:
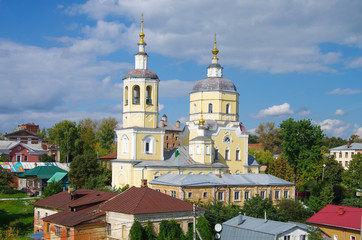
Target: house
[
  {"x": 24, "y": 135},
  {"x": 17, "y": 151},
  {"x": 106, "y": 160},
  {"x": 343, "y": 154},
  {"x": 172, "y": 133},
  {"x": 36, "y": 178},
  {"x": 244, "y": 227},
  {"x": 339, "y": 222},
  {"x": 145, "y": 204},
  {"x": 213, "y": 139},
  {"x": 71, "y": 213},
  {"x": 228, "y": 188},
  {"x": 60, "y": 176}
]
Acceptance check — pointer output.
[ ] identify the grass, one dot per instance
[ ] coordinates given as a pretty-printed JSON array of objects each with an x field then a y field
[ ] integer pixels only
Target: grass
[
  {"x": 18, "y": 214},
  {"x": 15, "y": 195}
]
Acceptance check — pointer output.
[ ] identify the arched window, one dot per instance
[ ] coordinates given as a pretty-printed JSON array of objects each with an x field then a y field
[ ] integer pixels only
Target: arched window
[
  {"x": 227, "y": 154},
  {"x": 149, "y": 95},
  {"x": 126, "y": 95},
  {"x": 149, "y": 145},
  {"x": 210, "y": 107},
  {"x": 136, "y": 94},
  {"x": 227, "y": 108},
  {"x": 194, "y": 108},
  {"x": 125, "y": 142}
]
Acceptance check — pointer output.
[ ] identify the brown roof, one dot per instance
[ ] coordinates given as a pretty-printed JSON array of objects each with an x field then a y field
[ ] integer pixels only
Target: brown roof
[
  {"x": 109, "y": 156},
  {"x": 68, "y": 218},
  {"x": 63, "y": 200},
  {"x": 145, "y": 200}
]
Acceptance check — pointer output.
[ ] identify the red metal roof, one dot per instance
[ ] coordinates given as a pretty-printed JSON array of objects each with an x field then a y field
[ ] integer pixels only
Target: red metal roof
[
  {"x": 145, "y": 200},
  {"x": 338, "y": 216}
]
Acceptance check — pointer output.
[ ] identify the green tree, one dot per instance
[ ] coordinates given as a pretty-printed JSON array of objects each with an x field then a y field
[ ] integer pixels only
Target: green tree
[
  {"x": 352, "y": 202},
  {"x": 54, "y": 187},
  {"x": 314, "y": 234},
  {"x": 269, "y": 136},
  {"x": 106, "y": 133},
  {"x": 280, "y": 168},
  {"x": 162, "y": 235},
  {"x": 253, "y": 139},
  {"x": 87, "y": 134},
  {"x": 4, "y": 158},
  {"x": 99, "y": 181},
  {"x": 333, "y": 142},
  {"x": 355, "y": 138},
  {"x": 333, "y": 171},
  {"x": 321, "y": 195},
  {"x": 65, "y": 134},
  {"x": 290, "y": 210},
  {"x": 204, "y": 228},
  {"x": 137, "y": 232},
  {"x": 5, "y": 179},
  {"x": 352, "y": 177},
  {"x": 256, "y": 207},
  {"x": 218, "y": 212},
  {"x": 301, "y": 145},
  {"x": 148, "y": 231},
  {"x": 82, "y": 167},
  {"x": 46, "y": 158},
  {"x": 263, "y": 157}
]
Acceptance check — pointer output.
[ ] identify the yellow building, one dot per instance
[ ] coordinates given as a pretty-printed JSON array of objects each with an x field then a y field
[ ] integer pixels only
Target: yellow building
[{"x": 218, "y": 144}]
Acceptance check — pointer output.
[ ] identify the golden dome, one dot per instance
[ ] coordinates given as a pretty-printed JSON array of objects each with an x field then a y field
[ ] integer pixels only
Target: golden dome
[{"x": 142, "y": 35}]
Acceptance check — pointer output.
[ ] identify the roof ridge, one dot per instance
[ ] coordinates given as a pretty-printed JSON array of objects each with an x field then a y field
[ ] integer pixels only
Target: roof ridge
[{"x": 141, "y": 197}]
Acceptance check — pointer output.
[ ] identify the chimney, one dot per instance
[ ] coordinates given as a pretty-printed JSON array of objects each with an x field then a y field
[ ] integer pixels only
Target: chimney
[
  {"x": 144, "y": 183},
  {"x": 162, "y": 123},
  {"x": 178, "y": 123},
  {"x": 240, "y": 218},
  {"x": 341, "y": 211},
  {"x": 218, "y": 175},
  {"x": 164, "y": 117},
  {"x": 349, "y": 143},
  {"x": 265, "y": 219}
]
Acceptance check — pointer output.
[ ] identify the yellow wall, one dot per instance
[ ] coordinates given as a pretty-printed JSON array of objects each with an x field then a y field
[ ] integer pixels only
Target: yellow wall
[{"x": 343, "y": 234}]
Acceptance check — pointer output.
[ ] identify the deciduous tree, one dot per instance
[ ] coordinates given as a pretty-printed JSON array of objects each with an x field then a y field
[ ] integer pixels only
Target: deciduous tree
[
  {"x": 269, "y": 136},
  {"x": 256, "y": 207},
  {"x": 87, "y": 134},
  {"x": 137, "y": 232},
  {"x": 82, "y": 167},
  {"x": 5, "y": 179},
  {"x": 352, "y": 177},
  {"x": 4, "y": 158},
  {"x": 290, "y": 210},
  {"x": 54, "y": 187},
  {"x": 280, "y": 168},
  {"x": 106, "y": 133}
]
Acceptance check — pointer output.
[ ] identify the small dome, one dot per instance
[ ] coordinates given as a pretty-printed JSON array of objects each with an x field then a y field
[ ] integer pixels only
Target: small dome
[
  {"x": 141, "y": 73},
  {"x": 214, "y": 84}
]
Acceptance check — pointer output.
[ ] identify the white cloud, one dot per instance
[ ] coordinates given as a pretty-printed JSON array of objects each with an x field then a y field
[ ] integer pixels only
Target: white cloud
[
  {"x": 356, "y": 63},
  {"x": 346, "y": 91},
  {"x": 275, "y": 111},
  {"x": 340, "y": 112},
  {"x": 303, "y": 112},
  {"x": 334, "y": 127},
  {"x": 183, "y": 120},
  {"x": 175, "y": 88},
  {"x": 160, "y": 107},
  {"x": 283, "y": 36},
  {"x": 252, "y": 131},
  {"x": 357, "y": 130}
]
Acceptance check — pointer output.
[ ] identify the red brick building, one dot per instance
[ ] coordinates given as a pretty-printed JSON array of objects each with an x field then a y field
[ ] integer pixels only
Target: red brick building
[{"x": 172, "y": 133}]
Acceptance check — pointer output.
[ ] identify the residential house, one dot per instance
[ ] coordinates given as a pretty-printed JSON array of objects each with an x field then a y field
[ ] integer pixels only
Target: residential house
[
  {"x": 244, "y": 227},
  {"x": 145, "y": 204},
  {"x": 339, "y": 222},
  {"x": 229, "y": 188},
  {"x": 172, "y": 133},
  {"x": 71, "y": 215},
  {"x": 343, "y": 154},
  {"x": 36, "y": 178},
  {"x": 17, "y": 151}
]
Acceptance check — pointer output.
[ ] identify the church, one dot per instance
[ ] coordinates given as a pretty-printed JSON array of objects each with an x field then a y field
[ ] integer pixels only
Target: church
[{"x": 212, "y": 141}]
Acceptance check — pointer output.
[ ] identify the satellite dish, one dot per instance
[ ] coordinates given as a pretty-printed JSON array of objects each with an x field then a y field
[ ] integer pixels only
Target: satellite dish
[
  {"x": 218, "y": 227},
  {"x": 217, "y": 236}
]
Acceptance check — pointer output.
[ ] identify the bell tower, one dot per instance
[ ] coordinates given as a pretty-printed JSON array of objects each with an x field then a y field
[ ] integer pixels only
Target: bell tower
[{"x": 140, "y": 91}]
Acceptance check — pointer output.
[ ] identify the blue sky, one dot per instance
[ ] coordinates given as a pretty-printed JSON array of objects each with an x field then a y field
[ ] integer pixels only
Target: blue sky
[{"x": 66, "y": 59}]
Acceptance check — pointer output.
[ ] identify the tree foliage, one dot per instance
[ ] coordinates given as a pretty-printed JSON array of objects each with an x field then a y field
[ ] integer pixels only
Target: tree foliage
[
  {"x": 253, "y": 139},
  {"x": 46, "y": 158},
  {"x": 106, "y": 133},
  {"x": 5, "y": 179},
  {"x": 218, "y": 212},
  {"x": 54, "y": 187},
  {"x": 148, "y": 231},
  {"x": 290, "y": 210},
  {"x": 301, "y": 145},
  {"x": 256, "y": 207},
  {"x": 137, "y": 232},
  {"x": 82, "y": 167},
  {"x": 263, "y": 157},
  {"x": 65, "y": 134},
  {"x": 355, "y": 138},
  {"x": 352, "y": 202},
  {"x": 332, "y": 142},
  {"x": 99, "y": 181},
  {"x": 352, "y": 177},
  {"x": 4, "y": 158},
  {"x": 280, "y": 168},
  {"x": 269, "y": 136},
  {"x": 333, "y": 171},
  {"x": 321, "y": 195},
  {"x": 204, "y": 228},
  {"x": 87, "y": 135}
]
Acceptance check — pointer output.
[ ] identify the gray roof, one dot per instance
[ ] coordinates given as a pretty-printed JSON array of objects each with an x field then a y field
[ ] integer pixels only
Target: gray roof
[
  {"x": 252, "y": 161},
  {"x": 201, "y": 138},
  {"x": 7, "y": 145},
  {"x": 170, "y": 127},
  {"x": 214, "y": 84},
  {"x": 353, "y": 146},
  {"x": 257, "y": 228},
  {"x": 225, "y": 180}
]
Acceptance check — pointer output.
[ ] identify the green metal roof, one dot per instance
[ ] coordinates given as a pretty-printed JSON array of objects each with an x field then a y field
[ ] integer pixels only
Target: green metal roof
[
  {"x": 57, "y": 176},
  {"x": 43, "y": 172}
]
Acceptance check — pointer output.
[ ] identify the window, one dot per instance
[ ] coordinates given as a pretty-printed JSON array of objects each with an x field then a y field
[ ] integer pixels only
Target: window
[
  {"x": 237, "y": 154},
  {"x": 173, "y": 194},
  {"x": 11, "y": 158},
  {"x": 18, "y": 158},
  {"x": 57, "y": 231},
  {"x": 335, "y": 237},
  {"x": 346, "y": 163},
  {"x": 204, "y": 194},
  {"x": 38, "y": 215},
  {"x": 124, "y": 141},
  {"x": 124, "y": 231},
  {"x": 346, "y": 154},
  {"x": 246, "y": 195},
  {"x": 303, "y": 237},
  {"x": 189, "y": 195},
  {"x": 46, "y": 214},
  {"x": 126, "y": 95},
  {"x": 158, "y": 190},
  {"x": 340, "y": 154},
  {"x": 335, "y": 154},
  {"x": 109, "y": 229},
  {"x": 227, "y": 108},
  {"x": 48, "y": 227},
  {"x": 136, "y": 94},
  {"x": 68, "y": 233},
  {"x": 216, "y": 154},
  {"x": 210, "y": 107},
  {"x": 198, "y": 150},
  {"x": 149, "y": 143},
  {"x": 25, "y": 158},
  {"x": 167, "y": 145},
  {"x": 352, "y": 153},
  {"x": 237, "y": 196},
  {"x": 227, "y": 154},
  {"x": 220, "y": 196},
  {"x": 194, "y": 108},
  {"x": 227, "y": 139},
  {"x": 287, "y": 237},
  {"x": 165, "y": 191},
  {"x": 207, "y": 150},
  {"x": 149, "y": 95},
  {"x": 262, "y": 194},
  {"x": 353, "y": 238},
  {"x": 340, "y": 162},
  {"x": 286, "y": 194},
  {"x": 276, "y": 194}
]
